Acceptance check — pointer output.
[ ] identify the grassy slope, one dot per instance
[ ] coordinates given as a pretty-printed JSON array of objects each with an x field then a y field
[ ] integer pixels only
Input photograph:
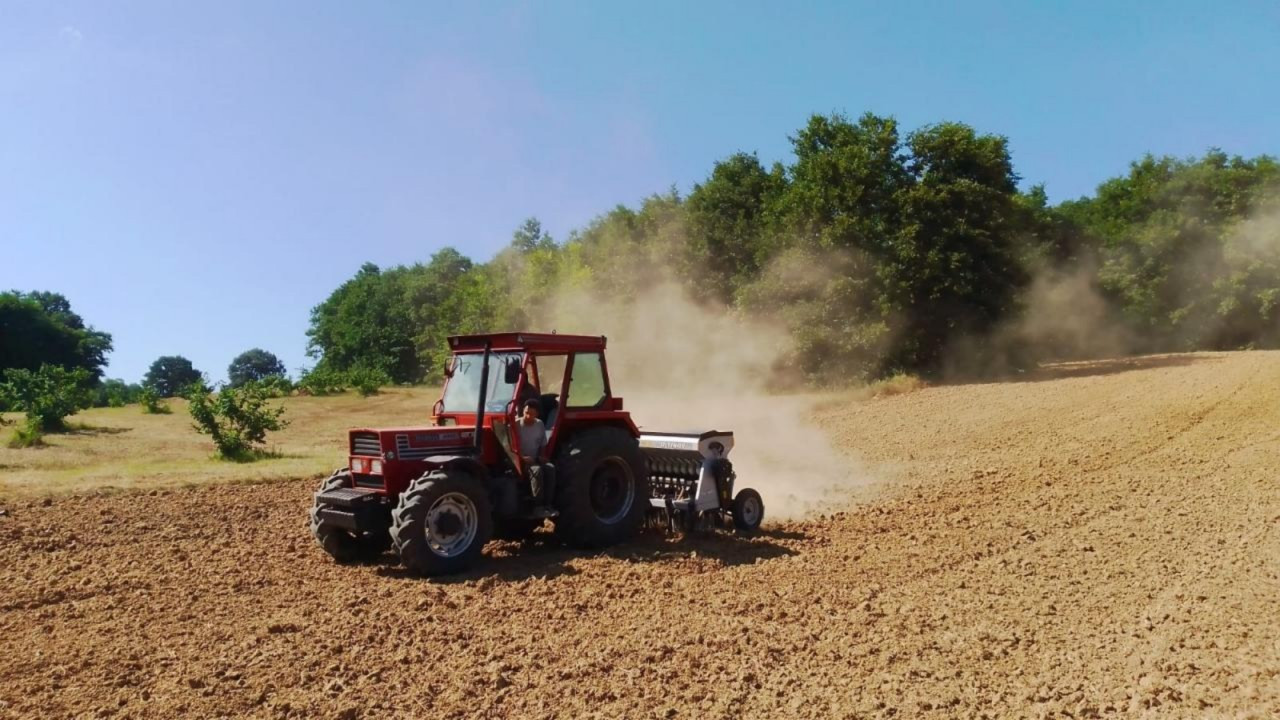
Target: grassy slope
[{"x": 125, "y": 448}]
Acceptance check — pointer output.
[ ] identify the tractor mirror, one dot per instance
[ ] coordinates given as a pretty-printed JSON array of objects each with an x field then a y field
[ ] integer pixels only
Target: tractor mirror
[
  {"x": 511, "y": 375},
  {"x": 449, "y": 365}
]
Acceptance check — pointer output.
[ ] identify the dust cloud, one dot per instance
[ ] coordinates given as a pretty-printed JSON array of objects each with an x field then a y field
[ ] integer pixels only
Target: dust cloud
[
  {"x": 1066, "y": 317},
  {"x": 685, "y": 366}
]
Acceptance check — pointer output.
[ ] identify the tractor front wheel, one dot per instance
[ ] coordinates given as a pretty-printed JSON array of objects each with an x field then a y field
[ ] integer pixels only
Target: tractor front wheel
[
  {"x": 342, "y": 544},
  {"x": 442, "y": 523},
  {"x": 604, "y": 491}
]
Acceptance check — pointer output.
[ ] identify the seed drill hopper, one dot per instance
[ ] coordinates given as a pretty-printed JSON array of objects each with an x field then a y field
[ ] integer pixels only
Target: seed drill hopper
[{"x": 691, "y": 481}]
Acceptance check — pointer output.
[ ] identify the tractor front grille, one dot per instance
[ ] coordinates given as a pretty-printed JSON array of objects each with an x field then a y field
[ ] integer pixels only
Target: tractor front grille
[
  {"x": 366, "y": 444},
  {"x": 368, "y": 481}
]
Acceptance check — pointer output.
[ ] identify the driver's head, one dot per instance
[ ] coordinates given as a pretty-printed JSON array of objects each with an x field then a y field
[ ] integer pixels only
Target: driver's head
[{"x": 530, "y": 410}]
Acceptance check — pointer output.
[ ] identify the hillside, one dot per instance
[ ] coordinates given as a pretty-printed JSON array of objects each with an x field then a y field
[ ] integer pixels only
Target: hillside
[{"x": 1094, "y": 539}]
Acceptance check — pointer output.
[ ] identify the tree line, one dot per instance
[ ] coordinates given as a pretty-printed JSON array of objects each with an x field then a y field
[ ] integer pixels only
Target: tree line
[
  {"x": 44, "y": 343},
  {"x": 881, "y": 251}
]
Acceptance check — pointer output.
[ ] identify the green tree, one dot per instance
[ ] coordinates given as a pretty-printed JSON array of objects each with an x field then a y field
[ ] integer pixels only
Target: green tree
[
  {"x": 115, "y": 393},
  {"x": 618, "y": 254},
  {"x": 170, "y": 375},
  {"x": 436, "y": 308},
  {"x": 1187, "y": 249},
  {"x": 953, "y": 268},
  {"x": 152, "y": 403},
  {"x": 47, "y": 396},
  {"x": 238, "y": 419},
  {"x": 530, "y": 236},
  {"x": 367, "y": 322},
  {"x": 729, "y": 225},
  {"x": 253, "y": 365},
  {"x": 39, "y": 328},
  {"x": 845, "y": 184}
]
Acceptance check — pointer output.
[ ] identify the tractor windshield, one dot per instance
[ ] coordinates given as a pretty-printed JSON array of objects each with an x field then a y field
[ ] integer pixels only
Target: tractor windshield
[{"x": 463, "y": 390}]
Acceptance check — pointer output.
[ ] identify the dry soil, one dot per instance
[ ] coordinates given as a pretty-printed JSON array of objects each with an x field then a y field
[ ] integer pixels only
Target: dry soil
[{"x": 1095, "y": 539}]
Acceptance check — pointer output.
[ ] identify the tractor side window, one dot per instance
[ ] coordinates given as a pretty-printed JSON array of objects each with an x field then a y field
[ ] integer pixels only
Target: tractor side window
[
  {"x": 551, "y": 373},
  {"x": 586, "y": 387}
]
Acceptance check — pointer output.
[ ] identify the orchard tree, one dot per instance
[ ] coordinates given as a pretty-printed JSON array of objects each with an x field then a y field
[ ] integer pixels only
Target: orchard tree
[
  {"x": 253, "y": 365},
  {"x": 47, "y": 395},
  {"x": 170, "y": 375}
]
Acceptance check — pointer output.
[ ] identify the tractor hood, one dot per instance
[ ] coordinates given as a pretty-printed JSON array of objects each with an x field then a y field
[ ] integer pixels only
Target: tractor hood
[{"x": 412, "y": 443}]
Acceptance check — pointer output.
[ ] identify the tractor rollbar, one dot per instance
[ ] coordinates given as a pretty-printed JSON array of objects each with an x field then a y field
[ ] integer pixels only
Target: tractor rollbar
[{"x": 484, "y": 385}]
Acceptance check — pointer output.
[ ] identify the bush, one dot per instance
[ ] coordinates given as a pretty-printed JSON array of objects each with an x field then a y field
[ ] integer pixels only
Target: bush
[
  {"x": 152, "y": 404},
  {"x": 47, "y": 395},
  {"x": 274, "y": 385},
  {"x": 367, "y": 381},
  {"x": 321, "y": 380},
  {"x": 237, "y": 419},
  {"x": 114, "y": 393},
  {"x": 897, "y": 384},
  {"x": 26, "y": 435}
]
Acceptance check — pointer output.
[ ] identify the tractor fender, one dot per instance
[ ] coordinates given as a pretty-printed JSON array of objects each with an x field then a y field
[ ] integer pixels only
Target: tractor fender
[{"x": 462, "y": 463}]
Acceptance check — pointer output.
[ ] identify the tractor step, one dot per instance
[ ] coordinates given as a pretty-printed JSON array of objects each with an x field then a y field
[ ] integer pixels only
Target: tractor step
[
  {"x": 348, "y": 497},
  {"x": 354, "y": 509},
  {"x": 367, "y": 519}
]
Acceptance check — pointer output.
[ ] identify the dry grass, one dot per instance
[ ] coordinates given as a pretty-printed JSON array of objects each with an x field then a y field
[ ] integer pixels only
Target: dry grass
[
  {"x": 899, "y": 384},
  {"x": 124, "y": 448}
]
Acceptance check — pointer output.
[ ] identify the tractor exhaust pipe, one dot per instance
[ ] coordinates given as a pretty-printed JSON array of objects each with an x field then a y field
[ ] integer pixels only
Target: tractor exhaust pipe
[{"x": 484, "y": 386}]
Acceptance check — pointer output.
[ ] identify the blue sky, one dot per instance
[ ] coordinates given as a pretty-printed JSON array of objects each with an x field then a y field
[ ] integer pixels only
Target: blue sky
[{"x": 195, "y": 177}]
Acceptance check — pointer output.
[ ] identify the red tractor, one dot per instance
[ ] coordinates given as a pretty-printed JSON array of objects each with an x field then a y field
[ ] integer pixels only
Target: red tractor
[{"x": 437, "y": 494}]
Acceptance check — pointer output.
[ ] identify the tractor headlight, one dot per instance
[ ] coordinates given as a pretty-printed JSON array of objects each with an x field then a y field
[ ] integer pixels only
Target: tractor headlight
[{"x": 375, "y": 468}]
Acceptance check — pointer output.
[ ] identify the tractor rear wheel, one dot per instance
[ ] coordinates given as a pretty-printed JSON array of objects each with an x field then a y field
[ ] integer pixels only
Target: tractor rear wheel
[
  {"x": 344, "y": 545},
  {"x": 748, "y": 510},
  {"x": 442, "y": 523},
  {"x": 604, "y": 490}
]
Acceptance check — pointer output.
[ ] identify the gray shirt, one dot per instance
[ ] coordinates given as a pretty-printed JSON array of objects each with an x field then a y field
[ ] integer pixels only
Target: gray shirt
[{"x": 533, "y": 437}]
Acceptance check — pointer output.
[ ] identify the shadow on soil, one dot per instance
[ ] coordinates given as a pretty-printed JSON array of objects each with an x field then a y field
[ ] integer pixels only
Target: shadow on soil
[
  {"x": 1090, "y": 368},
  {"x": 542, "y": 556},
  {"x": 92, "y": 430}
]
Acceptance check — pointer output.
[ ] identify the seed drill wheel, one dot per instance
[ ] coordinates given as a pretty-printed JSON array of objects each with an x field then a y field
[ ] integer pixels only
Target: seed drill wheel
[
  {"x": 748, "y": 510},
  {"x": 342, "y": 544},
  {"x": 604, "y": 492},
  {"x": 442, "y": 523}
]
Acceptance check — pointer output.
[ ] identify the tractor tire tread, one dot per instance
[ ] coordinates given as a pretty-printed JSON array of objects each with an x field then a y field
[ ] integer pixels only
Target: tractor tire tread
[
  {"x": 576, "y": 459},
  {"x": 408, "y": 536}
]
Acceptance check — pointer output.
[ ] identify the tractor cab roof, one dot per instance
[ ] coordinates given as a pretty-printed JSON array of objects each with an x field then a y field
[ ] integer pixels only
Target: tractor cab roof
[{"x": 528, "y": 342}]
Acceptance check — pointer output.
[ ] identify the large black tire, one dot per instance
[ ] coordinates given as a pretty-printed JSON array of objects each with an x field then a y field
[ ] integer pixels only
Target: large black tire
[
  {"x": 603, "y": 493},
  {"x": 342, "y": 544},
  {"x": 442, "y": 523},
  {"x": 748, "y": 511}
]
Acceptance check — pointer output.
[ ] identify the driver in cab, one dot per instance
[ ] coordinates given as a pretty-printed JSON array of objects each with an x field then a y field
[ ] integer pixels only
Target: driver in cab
[{"x": 532, "y": 435}]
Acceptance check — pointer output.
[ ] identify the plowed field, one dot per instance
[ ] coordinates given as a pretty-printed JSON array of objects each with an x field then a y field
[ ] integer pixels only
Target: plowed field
[{"x": 1097, "y": 539}]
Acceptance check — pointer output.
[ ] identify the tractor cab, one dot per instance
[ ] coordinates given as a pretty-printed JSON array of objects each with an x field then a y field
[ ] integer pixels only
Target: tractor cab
[{"x": 489, "y": 378}]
